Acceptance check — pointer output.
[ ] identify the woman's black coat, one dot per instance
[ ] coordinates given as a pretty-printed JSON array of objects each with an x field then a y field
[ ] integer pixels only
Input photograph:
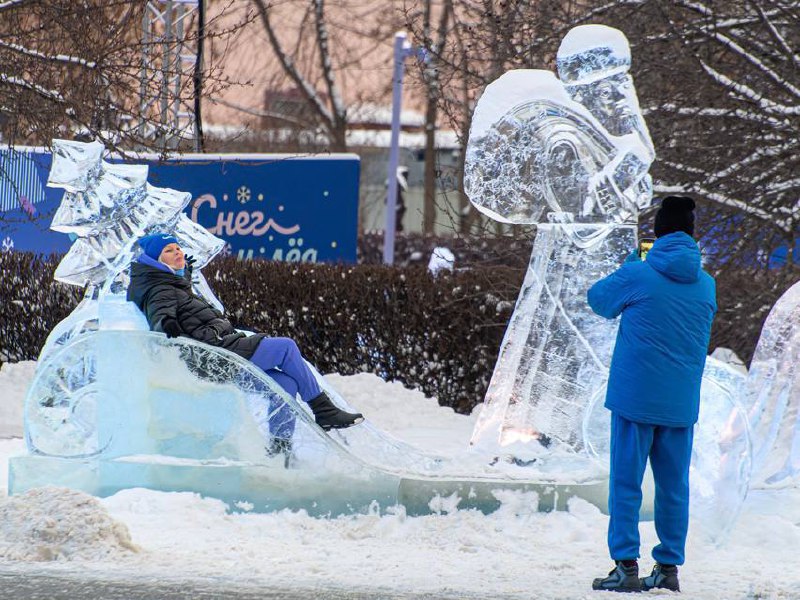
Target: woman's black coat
[{"x": 161, "y": 294}]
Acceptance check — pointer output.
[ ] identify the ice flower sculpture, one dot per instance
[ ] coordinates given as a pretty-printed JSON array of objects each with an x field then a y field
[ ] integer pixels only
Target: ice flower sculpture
[
  {"x": 771, "y": 395},
  {"x": 108, "y": 207}
]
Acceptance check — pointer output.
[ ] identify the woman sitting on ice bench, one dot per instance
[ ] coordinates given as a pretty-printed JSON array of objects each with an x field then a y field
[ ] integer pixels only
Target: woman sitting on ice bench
[{"x": 161, "y": 287}]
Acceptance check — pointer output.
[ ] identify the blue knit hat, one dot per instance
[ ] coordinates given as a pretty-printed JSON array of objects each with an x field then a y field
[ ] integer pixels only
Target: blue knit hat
[{"x": 154, "y": 243}]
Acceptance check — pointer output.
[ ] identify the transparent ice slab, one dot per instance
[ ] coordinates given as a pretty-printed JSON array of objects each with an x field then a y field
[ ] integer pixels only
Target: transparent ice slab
[
  {"x": 556, "y": 351},
  {"x": 772, "y": 395}
]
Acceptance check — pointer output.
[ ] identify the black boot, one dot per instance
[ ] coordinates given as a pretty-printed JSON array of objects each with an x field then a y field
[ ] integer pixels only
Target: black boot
[
  {"x": 622, "y": 578},
  {"x": 664, "y": 577},
  {"x": 329, "y": 416}
]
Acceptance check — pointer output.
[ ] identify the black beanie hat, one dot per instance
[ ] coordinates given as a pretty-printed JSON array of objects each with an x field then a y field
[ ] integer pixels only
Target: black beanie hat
[{"x": 676, "y": 214}]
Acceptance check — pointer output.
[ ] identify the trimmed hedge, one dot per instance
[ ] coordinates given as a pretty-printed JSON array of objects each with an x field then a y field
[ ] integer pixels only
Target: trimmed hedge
[
  {"x": 441, "y": 335},
  {"x": 31, "y": 303}
]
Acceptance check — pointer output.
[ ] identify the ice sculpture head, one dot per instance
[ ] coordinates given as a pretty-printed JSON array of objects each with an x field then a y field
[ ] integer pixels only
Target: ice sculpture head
[
  {"x": 572, "y": 151},
  {"x": 593, "y": 63}
]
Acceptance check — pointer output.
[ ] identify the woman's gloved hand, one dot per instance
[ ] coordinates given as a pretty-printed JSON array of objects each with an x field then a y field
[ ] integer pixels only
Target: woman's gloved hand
[
  {"x": 190, "y": 260},
  {"x": 170, "y": 327}
]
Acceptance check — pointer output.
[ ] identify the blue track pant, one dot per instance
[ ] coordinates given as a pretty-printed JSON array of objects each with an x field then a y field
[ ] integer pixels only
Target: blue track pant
[
  {"x": 280, "y": 358},
  {"x": 670, "y": 452}
]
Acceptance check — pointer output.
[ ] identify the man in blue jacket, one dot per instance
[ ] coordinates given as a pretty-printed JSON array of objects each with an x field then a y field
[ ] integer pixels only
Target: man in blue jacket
[{"x": 667, "y": 303}]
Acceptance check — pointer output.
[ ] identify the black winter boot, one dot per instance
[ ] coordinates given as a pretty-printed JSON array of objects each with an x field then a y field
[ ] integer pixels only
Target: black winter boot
[
  {"x": 664, "y": 577},
  {"x": 622, "y": 578},
  {"x": 329, "y": 416}
]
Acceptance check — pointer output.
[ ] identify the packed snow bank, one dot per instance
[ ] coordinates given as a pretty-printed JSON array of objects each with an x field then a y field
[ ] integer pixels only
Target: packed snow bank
[
  {"x": 515, "y": 552},
  {"x": 407, "y": 414},
  {"x": 14, "y": 381},
  {"x": 59, "y": 524}
]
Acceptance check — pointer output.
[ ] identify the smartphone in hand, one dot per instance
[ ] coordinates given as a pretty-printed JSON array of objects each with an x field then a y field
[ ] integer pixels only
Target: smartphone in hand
[{"x": 644, "y": 247}]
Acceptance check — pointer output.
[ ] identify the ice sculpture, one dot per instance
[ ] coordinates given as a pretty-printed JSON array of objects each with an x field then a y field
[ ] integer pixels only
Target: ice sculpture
[
  {"x": 771, "y": 394},
  {"x": 114, "y": 405},
  {"x": 572, "y": 157}
]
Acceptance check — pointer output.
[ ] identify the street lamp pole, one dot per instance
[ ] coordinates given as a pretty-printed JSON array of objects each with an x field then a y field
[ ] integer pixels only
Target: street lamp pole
[{"x": 402, "y": 49}]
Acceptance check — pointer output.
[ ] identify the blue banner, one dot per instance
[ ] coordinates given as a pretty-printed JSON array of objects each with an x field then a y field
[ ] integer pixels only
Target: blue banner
[{"x": 287, "y": 208}]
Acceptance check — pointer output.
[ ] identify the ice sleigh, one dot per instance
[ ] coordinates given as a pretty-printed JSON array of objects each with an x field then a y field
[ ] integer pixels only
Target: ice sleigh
[{"x": 113, "y": 409}]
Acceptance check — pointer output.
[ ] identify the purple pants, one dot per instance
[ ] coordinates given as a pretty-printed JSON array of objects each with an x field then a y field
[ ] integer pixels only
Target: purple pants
[{"x": 280, "y": 358}]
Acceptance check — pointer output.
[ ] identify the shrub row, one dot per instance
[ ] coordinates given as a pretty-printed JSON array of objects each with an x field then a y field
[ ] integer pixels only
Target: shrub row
[{"x": 438, "y": 334}]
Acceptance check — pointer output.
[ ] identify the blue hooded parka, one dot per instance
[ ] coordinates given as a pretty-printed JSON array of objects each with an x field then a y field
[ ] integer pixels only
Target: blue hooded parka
[{"x": 667, "y": 305}]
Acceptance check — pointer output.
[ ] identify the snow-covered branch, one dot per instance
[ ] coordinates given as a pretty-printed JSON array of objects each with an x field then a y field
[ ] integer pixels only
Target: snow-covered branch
[
  {"x": 42, "y": 91},
  {"x": 60, "y": 58},
  {"x": 724, "y": 200},
  {"x": 749, "y": 93}
]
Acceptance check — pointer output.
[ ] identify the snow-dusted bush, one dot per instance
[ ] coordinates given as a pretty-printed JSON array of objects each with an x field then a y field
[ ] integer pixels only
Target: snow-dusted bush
[
  {"x": 439, "y": 334},
  {"x": 31, "y": 303}
]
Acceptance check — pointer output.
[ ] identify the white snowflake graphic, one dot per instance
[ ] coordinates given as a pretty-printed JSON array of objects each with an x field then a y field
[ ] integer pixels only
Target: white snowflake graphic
[
  {"x": 227, "y": 250},
  {"x": 7, "y": 244},
  {"x": 243, "y": 194}
]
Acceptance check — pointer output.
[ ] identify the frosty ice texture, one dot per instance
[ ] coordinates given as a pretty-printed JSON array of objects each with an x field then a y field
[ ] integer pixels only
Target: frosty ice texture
[
  {"x": 772, "y": 394},
  {"x": 556, "y": 351},
  {"x": 571, "y": 156},
  {"x": 109, "y": 206}
]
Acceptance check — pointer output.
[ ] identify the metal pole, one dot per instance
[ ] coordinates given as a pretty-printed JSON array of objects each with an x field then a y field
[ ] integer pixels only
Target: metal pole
[
  {"x": 166, "y": 64},
  {"x": 199, "y": 142},
  {"x": 401, "y": 47}
]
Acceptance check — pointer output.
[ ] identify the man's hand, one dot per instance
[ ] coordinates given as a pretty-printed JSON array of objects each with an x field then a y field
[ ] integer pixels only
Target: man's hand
[
  {"x": 633, "y": 257},
  {"x": 171, "y": 327}
]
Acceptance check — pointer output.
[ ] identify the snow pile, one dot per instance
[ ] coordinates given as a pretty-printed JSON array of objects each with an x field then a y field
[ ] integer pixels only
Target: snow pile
[
  {"x": 407, "y": 414},
  {"x": 14, "y": 381},
  {"x": 52, "y": 523}
]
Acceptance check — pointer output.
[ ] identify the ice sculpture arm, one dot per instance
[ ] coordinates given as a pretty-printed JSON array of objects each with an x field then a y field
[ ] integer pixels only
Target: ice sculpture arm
[{"x": 610, "y": 295}]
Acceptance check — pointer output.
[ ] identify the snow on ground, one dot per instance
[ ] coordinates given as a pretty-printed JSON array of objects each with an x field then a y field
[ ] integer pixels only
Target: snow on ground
[
  {"x": 515, "y": 552},
  {"x": 14, "y": 380}
]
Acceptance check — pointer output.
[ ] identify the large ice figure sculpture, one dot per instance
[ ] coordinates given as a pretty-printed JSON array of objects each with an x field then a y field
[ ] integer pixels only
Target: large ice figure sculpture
[
  {"x": 771, "y": 395},
  {"x": 572, "y": 157}
]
